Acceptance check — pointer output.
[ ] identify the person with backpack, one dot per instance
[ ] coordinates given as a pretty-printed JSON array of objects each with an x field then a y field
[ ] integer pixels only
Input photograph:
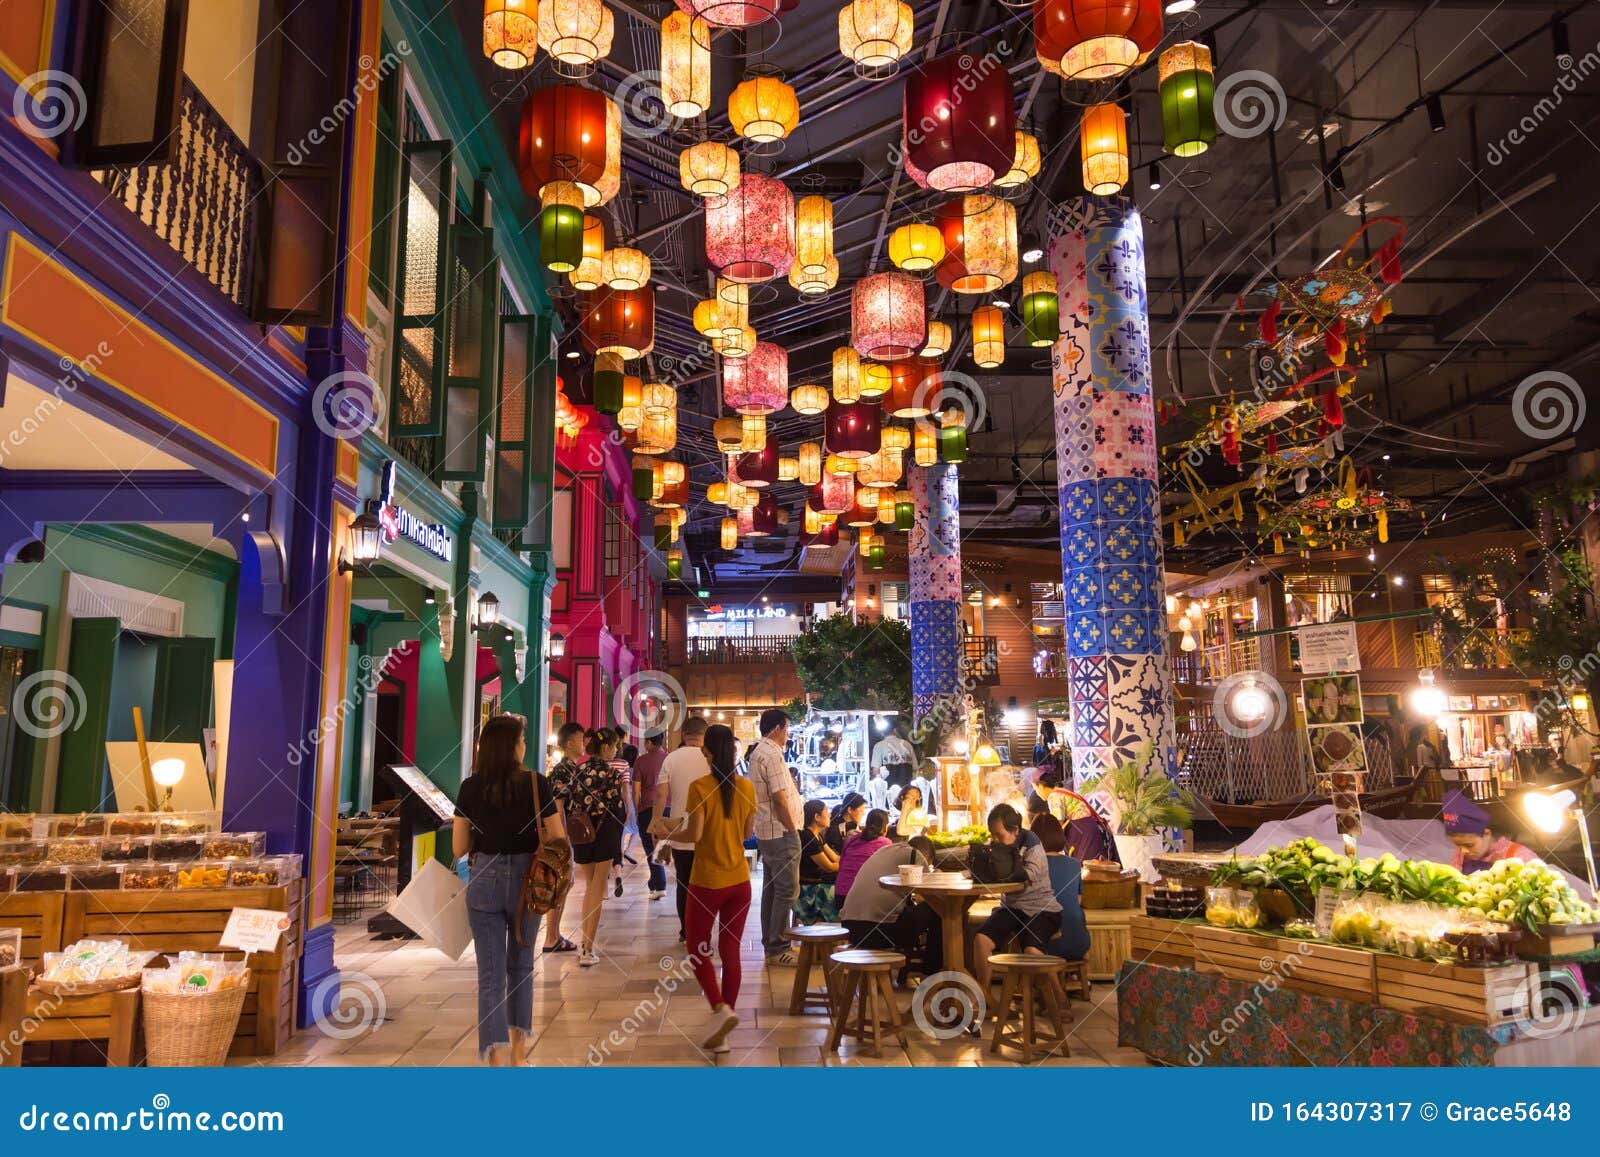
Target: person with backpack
[
  {"x": 595, "y": 804},
  {"x": 721, "y": 816},
  {"x": 569, "y": 748},
  {"x": 503, "y": 813},
  {"x": 1032, "y": 917}
]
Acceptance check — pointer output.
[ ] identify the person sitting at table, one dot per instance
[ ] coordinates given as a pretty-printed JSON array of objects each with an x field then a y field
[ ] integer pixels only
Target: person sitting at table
[
  {"x": 912, "y": 819},
  {"x": 1066, "y": 879},
  {"x": 876, "y": 917},
  {"x": 846, "y": 819},
  {"x": 858, "y": 848},
  {"x": 1031, "y": 916},
  {"x": 819, "y": 869}
]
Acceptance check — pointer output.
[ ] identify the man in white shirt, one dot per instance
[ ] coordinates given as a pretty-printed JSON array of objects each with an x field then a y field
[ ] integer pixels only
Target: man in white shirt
[
  {"x": 684, "y": 766},
  {"x": 779, "y": 811},
  {"x": 896, "y": 757}
]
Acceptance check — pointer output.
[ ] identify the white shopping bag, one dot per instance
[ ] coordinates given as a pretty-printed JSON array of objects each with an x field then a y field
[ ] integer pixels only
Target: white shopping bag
[{"x": 434, "y": 906}]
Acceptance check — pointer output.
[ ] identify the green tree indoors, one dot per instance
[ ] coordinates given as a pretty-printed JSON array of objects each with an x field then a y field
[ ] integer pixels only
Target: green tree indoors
[{"x": 847, "y": 665}]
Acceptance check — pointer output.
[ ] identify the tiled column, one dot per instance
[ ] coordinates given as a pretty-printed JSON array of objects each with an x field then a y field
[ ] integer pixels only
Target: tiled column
[
  {"x": 935, "y": 574},
  {"x": 1119, "y": 681}
]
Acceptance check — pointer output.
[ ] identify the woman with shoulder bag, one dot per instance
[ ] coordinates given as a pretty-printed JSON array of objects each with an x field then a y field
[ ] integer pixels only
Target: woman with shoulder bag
[
  {"x": 569, "y": 746},
  {"x": 502, "y": 813},
  {"x": 596, "y": 809}
]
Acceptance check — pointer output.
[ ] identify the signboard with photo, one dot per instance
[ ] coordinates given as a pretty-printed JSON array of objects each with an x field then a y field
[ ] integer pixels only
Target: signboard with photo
[{"x": 1330, "y": 699}]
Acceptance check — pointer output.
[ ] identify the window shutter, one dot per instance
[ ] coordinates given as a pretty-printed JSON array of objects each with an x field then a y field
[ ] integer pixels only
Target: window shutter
[
  {"x": 472, "y": 372},
  {"x": 427, "y": 212},
  {"x": 128, "y": 54},
  {"x": 542, "y": 443},
  {"x": 307, "y": 90},
  {"x": 513, "y": 433}
]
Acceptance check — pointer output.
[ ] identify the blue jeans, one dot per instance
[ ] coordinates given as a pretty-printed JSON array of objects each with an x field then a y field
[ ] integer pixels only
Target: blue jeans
[
  {"x": 505, "y": 968},
  {"x": 780, "y": 885}
]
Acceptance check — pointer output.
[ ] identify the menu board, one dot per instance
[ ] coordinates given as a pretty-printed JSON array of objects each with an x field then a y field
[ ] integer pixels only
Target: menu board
[
  {"x": 426, "y": 790},
  {"x": 1326, "y": 647}
]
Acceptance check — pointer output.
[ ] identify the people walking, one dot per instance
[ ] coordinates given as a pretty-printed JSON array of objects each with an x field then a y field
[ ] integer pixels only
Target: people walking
[
  {"x": 779, "y": 815},
  {"x": 502, "y": 812},
  {"x": 678, "y": 771},
  {"x": 596, "y": 809},
  {"x": 646, "y": 774},
  {"x": 570, "y": 757}
]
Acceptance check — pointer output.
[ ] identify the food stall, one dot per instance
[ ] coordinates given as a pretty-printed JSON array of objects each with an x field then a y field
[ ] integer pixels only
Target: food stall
[{"x": 834, "y": 751}]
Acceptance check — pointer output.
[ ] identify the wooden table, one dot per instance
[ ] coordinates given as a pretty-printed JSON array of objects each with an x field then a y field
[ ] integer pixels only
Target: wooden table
[{"x": 950, "y": 902}]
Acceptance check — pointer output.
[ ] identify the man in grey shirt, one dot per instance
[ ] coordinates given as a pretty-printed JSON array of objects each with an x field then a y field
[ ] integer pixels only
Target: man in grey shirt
[
  {"x": 779, "y": 814},
  {"x": 1032, "y": 916}
]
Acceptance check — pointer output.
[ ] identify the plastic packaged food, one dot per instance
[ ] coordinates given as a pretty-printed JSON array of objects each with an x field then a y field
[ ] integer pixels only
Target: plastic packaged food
[
  {"x": 22, "y": 852},
  {"x": 7, "y": 876},
  {"x": 73, "y": 851},
  {"x": 149, "y": 878},
  {"x": 176, "y": 849},
  {"x": 44, "y": 879},
  {"x": 91, "y": 961},
  {"x": 125, "y": 850},
  {"x": 187, "y": 823},
  {"x": 203, "y": 875},
  {"x": 10, "y": 946},
  {"x": 133, "y": 824},
  {"x": 288, "y": 867},
  {"x": 234, "y": 846},
  {"x": 196, "y": 973},
  {"x": 254, "y": 874},
  {"x": 1232, "y": 908},
  {"x": 78, "y": 826},
  {"x": 15, "y": 826},
  {"x": 96, "y": 877}
]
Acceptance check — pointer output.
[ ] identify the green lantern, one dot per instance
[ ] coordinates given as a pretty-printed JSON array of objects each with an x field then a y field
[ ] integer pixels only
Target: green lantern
[
  {"x": 561, "y": 238},
  {"x": 644, "y": 481},
  {"x": 1041, "y": 312},
  {"x": 875, "y": 556},
  {"x": 905, "y": 515},
  {"x": 608, "y": 375},
  {"x": 675, "y": 563},
  {"x": 953, "y": 444},
  {"x": 663, "y": 537},
  {"x": 1188, "y": 122}
]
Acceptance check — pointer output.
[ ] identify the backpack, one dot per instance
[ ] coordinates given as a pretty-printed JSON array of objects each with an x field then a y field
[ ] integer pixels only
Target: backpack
[
  {"x": 994, "y": 863},
  {"x": 549, "y": 874}
]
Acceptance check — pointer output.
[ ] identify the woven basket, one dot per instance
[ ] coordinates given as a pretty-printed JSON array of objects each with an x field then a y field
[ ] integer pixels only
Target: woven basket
[{"x": 192, "y": 1030}]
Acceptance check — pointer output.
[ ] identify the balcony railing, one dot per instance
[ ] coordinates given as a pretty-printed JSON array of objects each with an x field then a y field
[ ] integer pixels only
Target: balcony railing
[
  {"x": 981, "y": 658},
  {"x": 1050, "y": 658},
  {"x": 759, "y": 649},
  {"x": 203, "y": 201},
  {"x": 1218, "y": 662},
  {"x": 1473, "y": 650}
]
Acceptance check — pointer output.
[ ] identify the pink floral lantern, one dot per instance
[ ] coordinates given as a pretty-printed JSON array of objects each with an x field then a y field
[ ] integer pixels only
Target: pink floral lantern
[
  {"x": 758, "y": 384},
  {"x": 731, "y": 13},
  {"x": 833, "y": 495},
  {"x": 760, "y": 520},
  {"x": 750, "y": 231},
  {"x": 888, "y": 316},
  {"x": 853, "y": 429}
]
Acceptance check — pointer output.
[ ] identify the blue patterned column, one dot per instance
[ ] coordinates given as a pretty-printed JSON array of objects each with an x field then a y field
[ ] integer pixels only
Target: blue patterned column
[
  {"x": 1119, "y": 680},
  {"x": 934, "y": 556}
]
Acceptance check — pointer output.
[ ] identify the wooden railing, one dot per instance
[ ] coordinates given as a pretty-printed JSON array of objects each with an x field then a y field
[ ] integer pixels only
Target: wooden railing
[
  {"x": 758, "y": 649},
  {"x": 1218, "y": 662},
  {"x": 1472, "y": 650},
  {"x": 203, "y": 201},
  {"x": 981, "y": 658}
]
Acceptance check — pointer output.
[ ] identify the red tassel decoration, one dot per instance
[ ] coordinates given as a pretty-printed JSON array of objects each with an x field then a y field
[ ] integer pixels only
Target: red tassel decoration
[
  {"x": 1389, "y": 259},
  {"x": 1332, "y": 410},
  {"x": 1269, "y": 323}
]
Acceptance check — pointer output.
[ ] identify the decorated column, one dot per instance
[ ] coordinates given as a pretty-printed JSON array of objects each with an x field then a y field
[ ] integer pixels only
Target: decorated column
[
  {"x": 1119, "y": 681},
  {"x": 934, "y": 556}
]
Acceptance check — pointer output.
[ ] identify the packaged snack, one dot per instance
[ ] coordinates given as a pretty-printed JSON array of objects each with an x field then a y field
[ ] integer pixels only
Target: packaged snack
[
  {"x": 149, "y": 878},
  {"x": 20, "y": 852},
  {"x": 73, "y": 851},
  {"x": 212, "y": 875},
  {"x": 125, "y": 849},
  {"x": 42, "y": 879},
  {"x": 133, "y": 824},
  {"x": 234, "y": 846},
  {"x": 93, "y": 961},
  {"x": 1228, "y": 907},
  {"x": 10, "y": 946},
  {"x": 254, "y": 874},
  {"x": 176, "y": 849},
  {"x": 196, "y": 973},
  {"x": 96, "y": 877},
  {"x": 187, "y": 823},
  {"x": 15, "y": 826},
  {"x": 87, "y": 825},
  {"x": 288, "y": 867}
]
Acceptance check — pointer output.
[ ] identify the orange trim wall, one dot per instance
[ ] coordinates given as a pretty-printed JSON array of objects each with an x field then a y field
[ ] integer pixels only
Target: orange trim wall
[
  {"x": 365, "y": 157},
  {"x": 25, "y": 36},
  {"x": 335, "y": 662}
]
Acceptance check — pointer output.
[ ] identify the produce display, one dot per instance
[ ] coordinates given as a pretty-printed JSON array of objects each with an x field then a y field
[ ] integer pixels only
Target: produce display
[
  {"x": 1232, "y": 908},
  {"x": 93, "y": 961},
  {"x": 963, "y": 837},
  {"x": 203, "y": 876},
  {"x": 196, "y": 973},
  {"x": 160, "y": 850}
]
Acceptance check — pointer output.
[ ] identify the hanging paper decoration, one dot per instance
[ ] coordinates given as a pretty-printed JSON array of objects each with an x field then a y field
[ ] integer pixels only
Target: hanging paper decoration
[
  {"x": 1025, "y": 163},
  {"x": 813, "y": 234},
  {"x": 960, "y": 122},
  {"x": 925, "y": 444},
  {"x": 586, "y": 275},
  {"x": 709, "y": 169},
  {"x": 620, "y": 321},
  {"x": 953, "y": 437},
  {"x": 980, "y": 243},
  {"x": 875, "y": 34},
  {"x": 1094, "y": 39},
  {"x": 809, "y": 458},
  {"x": 914, "y": 387},
  {"x": 752, "y": 433},
  {"x": 685, "y": 65},
  {"x": 570, "y": 420},
  {"x": 763, "y": 109},
  {"x": 760, "y": 520},
  {"x": 808, "y": 400},
  {"x": 569, "y": 133},
  {"x": 846, "y": 375},
  {"x": 905, "y": 510},
  {"x": 576, "y": 33},
  {"x": 730, "y": 533},
  {"x": 817, "y": 282},
  {"x": 758, "y": 384},
  {"x": 750, "y": 232},
  {"x": 1041, "y": 308},
  {"x": 895, "y": 438},
  {"x": 939, "y": 339},
  {"x": 736, "y": 344},
  {"x": 625, "y": 268},
  {"x": 1349, "y": 513},
  {"x": 917, "y": 247},
  {"x": 988, "y": 336},
  {"x": 880, "y": 471},
  {"x": 834, "y": 494},
  {"x": 876, "y": 379},
  {"x": 728, "y": 433},
  {"x": 888, "y": 316},
  {"x": 510, "y": 32},
  {"x": 1188, "y": 122},
  {"x": 731, "y": 13},
  {"x": 608, "y": 377},
  {"x": 657, "y": 398},
  {"x": 1103, "y": 145},
  {"x": 561, "y": 237},
  {"x": 760, "y": 468},
  {"x": 852, "y": 430}
]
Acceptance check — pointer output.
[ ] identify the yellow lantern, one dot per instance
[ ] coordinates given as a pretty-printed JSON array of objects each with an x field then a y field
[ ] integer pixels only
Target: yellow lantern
[
  {"x": 633, "y": 391},
  {"x": 708, "y": 318},
  {"x": 575, "y": 32},
  {"x": 729, "y": 433},
  {"x": 1025, "y": 166},
  {"x": 763, "y": 109},
  {"x": 846, "y": 375},
  {"x": 925, "y": 444},
  {"x": 808, "y": 400},
  {"x": 673, "y": 473},
  {"x": 939, "y": 339},
  {"x": 813, "y": 523},
  {"x": 709, "y": 169},
  {"x": 685, "y": 64},
  {"x": 733, "y": 300},
  {"x": 885, "y": 514},
  {"x": 658, "y": 398},
  {"x": 844, "y": 467},
  {"x": 1104, "y": 148},
  {"x": 629, "y": 418},
  {"x": 510, "y": 32},
  {"x": 587, "y": 275},
  {"x": 988, "y": 336},
  {"x": 788, "y": 469},
  {"x": 753, "y": 433},
  {"x": 717, "y": 493},
  {"x": 657, "y": 433},
  {"x": 880, "y": 470},
  {"x": 818, "y": 282},
  {"x": 730, "y": 534},
  {"x": 876, "y": 379},
  {"x": 917, "y": 247},
  {"x": 810, "y": 463},
  {"x": 897, "y": 438},
  {"x": 625, "y": 268},
  {"x": 658, "y": 478},
  {"x": 735, "y": 345},
  {"x": 813, "y": 234},
  {"x": 875, "y": 34},
  {"x": 742, "y": 497}
]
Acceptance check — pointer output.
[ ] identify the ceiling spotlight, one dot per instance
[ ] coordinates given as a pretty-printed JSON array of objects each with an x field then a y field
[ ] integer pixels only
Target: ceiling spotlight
[
  {"x": 1032, "y": 255},
  {"x": 1372, "y": 556},
  {"x": 1179, "y": 7},
  {"x": 1435, "y": 112},
  {"x": 1386, "y": 457},
  {"x": 573, "y": 355},
  {"x": 1002, "y": 303},
  {"x": 1155, "y": 175}
]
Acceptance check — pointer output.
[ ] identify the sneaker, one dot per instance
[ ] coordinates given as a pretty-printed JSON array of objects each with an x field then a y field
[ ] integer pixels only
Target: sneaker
[
  {"x": 588, "y": 958},
  {"x": 657, "y": 895},
  {"x": 617, "y": 890},
  {"x": 723, "y": 1021},
  {"x": 783, "y": 959}
]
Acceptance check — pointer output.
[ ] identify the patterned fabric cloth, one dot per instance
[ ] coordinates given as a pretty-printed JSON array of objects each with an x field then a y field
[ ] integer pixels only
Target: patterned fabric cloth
[
  {"x": 778, "y": 803},
  {"x": 816, "y": 905},
  {"x": 595, "y": 788}
]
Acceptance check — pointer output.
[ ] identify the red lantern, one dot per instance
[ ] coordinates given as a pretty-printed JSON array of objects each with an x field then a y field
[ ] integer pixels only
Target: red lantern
[
  {"x": 731, "y": 13},
  {"x": 852, "y": 429},
  {"x": 759, "y": 469},
  {"x": 827, "y": 536},
  {"x": 960, "y": 124},
  {"x": 565, "y": 136},
  {"x": 759, "y": 383},
  {"x": 888, "y": 316},
  {"x": 621, "y": 321},
  {"x": 913, "y": 390},
  {"x": 1095, "y": 39},
  {"x": 760, "y": 520},
  {"x": 863, "y": 509},
  {"x": 980, "y": 243},
  {"x": 750, "y": 231}
]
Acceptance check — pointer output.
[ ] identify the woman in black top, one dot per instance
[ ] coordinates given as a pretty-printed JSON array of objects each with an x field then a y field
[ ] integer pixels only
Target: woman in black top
[
  {"x": 819, "y": 866},
  {"x": 596, "y": 789},
  {"x": 846, "y": 818},
  {"x": 501, "y": 812}
]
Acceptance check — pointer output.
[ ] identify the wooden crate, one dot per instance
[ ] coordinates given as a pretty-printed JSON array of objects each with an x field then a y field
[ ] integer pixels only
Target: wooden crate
[
  {"x": 39, "y": 915},
  {"x": 1297, "y": 965},
  {"x": 67, "y": 1021},
  {"x": 1154, "y": 940},
  {"x": 1457, "y": 992},
  {"x": 1109, "y": 940},
  {"x": 1559, "y": 940}
]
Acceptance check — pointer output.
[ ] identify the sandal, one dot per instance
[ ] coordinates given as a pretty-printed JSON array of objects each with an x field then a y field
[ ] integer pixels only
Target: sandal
[{"x": 562, "y": 944}]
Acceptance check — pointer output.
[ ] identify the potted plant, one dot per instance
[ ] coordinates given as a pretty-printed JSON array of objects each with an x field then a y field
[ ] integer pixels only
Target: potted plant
[{"x": 1144, "y": 803}]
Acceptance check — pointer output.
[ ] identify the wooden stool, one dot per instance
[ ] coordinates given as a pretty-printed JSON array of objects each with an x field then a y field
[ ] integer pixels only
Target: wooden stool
[
  {"x": 814, "y": 944},
  {"x": 1075, "y": 978},
  {"x": 863, "y": 977},
  {"x": 1032, "y": 977}
]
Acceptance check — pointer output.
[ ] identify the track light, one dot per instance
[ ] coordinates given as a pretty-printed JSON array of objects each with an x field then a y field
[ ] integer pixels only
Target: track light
[
  {"x": 1562, "y": 43},
  {"x": 1435, "y": 112},
  {"x": 1155, "y": 175},
  {"x": 1179, "y": 7}
]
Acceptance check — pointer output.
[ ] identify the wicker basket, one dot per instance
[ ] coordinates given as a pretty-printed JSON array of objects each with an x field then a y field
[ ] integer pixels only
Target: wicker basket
[{"x": 191, "y": 1030}]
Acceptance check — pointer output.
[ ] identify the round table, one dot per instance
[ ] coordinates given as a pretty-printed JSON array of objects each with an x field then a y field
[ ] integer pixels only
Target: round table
[{"x": 950, "y": 902}]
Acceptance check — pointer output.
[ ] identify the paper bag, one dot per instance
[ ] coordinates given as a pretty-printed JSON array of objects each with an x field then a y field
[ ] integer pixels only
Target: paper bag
[{"x": 434, "y": 906}]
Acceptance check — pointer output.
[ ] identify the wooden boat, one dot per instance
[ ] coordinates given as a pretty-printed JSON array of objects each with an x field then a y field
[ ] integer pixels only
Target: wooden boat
[{"x": 1387, "y": 802}]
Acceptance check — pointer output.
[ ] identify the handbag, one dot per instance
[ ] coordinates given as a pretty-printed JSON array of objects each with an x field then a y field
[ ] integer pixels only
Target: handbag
[
  {"x": 549, "y": 875},
  {"x": 995, "y": 863}
]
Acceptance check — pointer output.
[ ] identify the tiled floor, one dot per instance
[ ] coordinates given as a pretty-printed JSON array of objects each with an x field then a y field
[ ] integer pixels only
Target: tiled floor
[{"x": 408, "y": 1005}]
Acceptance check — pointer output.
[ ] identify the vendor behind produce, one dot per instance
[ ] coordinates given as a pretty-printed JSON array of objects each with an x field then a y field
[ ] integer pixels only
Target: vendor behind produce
[{"x": 1477, "y": 847}]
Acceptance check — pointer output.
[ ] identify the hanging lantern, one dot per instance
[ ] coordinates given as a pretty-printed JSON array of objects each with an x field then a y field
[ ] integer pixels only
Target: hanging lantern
[
  {"x": 960, "y": 125},
  {"x": 665, "y": 532},
  {"x": 569, "y": 133},
  {"x": 846, "y": 375},
  {"x": 1093, "y": 39},
  {"x": 905, "y": 510},
  {"x": 731, "y": 13},
  {"x": 876, "y": 380},
  {"x": 925, "y": 444},
  {"x": 620, "y": 321},
  {"x": 917, "y": 247},
  {"x": 685, "y": 65},
  {"x": 657, "y": 433},
  {"x": 808, "y": 400},
  {"x": 674, "y": 473},
  {"x": 885, "y": 513},
  {"x": 896, "y": 438},
  {"x": 752, "y": 433},
  {"x": 911, "y": 391},
  {"x": 881, "y": 471},
  {"x": 1025, "y": 163},
  {"x": 735, "y": 345},
  {"x": 717, "y": 493},
  {"x": 763, "y": 109},
  {"x": 852, "y": 431},
  {"x": 561, "y": 227},
  {"x": 1188, "y": 87},
  {"x": 657, "y": 398},
  {"x": 730, "y": 533},
  {"x": 988, "y": 336},
  {"x": 939, "y": 339},
  {"x": 708, "y": 318},
  {"x": 709, "y": 169},
  {"x": 840, "y": 466},
  {"x": 888, "y": 316},
  {"x": 733, "y": 299},
  {"x": 760, "y": 520},
  {"x": 813, "y": 521},
  {"x": 875, "y": 34},
  {"x": 625, "y": 268},
  {"x": 633, "y": 392},
  {"x": 750, "y": 232},
  {"x": 1041, "y": 309},
  {"x": 729, "y": 433},
  {"x": 629, "y": 418},
  {"x": 1103, "y": 144},
  {"x": 758, "y": 468},
  {"x": 740, "y": 497},
  {"x": 863, "y": 510},
  {"x": 788, "y": 469},
  {"x": 813, "y": 234},
  {"x": 953, "y": 437},
  {"x": 608, "y": 377},
  {"x": 980, "y": 243},
  {"x": 644, "y": 478},
  {"x": 833, "y": 495},
  {"x": 810, "y": 461},
  {"x": 587, "y": 274},
  {"x": 575, "y": 33},
  {"x": 758, "y": 384},
  {"x": 673, "y": 495},
  {"x": 827, "y": 536},
  {"x": 675, "y": 563},
  {"x": 510, "y": 32},
  {"x": 875, "y": 555},
  {"x": 818, "y": 283}
]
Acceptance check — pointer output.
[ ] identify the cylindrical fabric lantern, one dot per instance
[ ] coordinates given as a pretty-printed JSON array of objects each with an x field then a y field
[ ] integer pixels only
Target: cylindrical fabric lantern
[
  {"x": 750, "y": 232},
  {"x": 510, "y": 32},
  {"x": 633, "y": 392},
  {"x": 658, "y": 398},
  {"x": 1103, "y": 144},
  {"x": 758, "y": 384},
  {"x": 881, "y": 471},
  {"x": 1094, "y": 39},
  {"x": 760, "y": 520},
  {"x": 685, "y": 65},
  {"x": 758, "y": 469},
  {"x": 939, "y": 339},
  {"x": 658, "y": 433},
  {"x": 730, "y": 533},
  {"x": 846, "y": 375},
  {"x": 575, "y": 33},
  {"x": 953, "y": 437},
  {"x": 666, "y": 531},
  {"x": 905, "y": 510},
  {"x": 587, "y": 275},
  {"x": 717, "y": 493},
  {"x": 808, "y": 400},
  {"x": 675, "y": 563},
  {"x": 834, "y": 464},
  {"x": 863, "y": 510},
  {"x": 917, "y": 247},
  {"x": 569, "y": 133},
  {"x": 876, "y": 380},
  {"x": 674, "y": 495},
  {"x": 729, "y": 433},
  {"x": 608, "y": 377},
  {"x": 625, "y": 268},
  {"x": 752, "y": 433},
  {"x": 731, "y": 13},
  {"x": 895, "y": 437},
  {"x": 735, "y": 345},
  {"x": 763, "y": 109},
  {"x": 813, "y": 520},
  {"x": 813, "y": 234},
  {"x": 960, "y": 123},
  {"x": 707, "y": 317},
  {"x": 1041, "y": 309},
  {"x": 1024, "y": 165},
  {"x": 739, "y": 497},
  {"x": 888, "y": 316},
  {"x": 912, "y": 392},
  {"x": 733, "y": 301},
  {"x": 875, "y": 34},
  {"x": 788, "y": 469},
  {"x": 886, "y": 513},
  {"x": 876, "y": 554},
  {"x": 810, "y": 460},
  {"x": 827, "y": 536},
  {"x": 620, "y": 321},
  {"x": 709, "y": 169},
  {"x": 980, "y": 243},
  {"x": 988, "y": 336},
  {"x": 817, "y": 283},
  {"x": 674, "y": 473},
  {"x": 644, "y": 478},
  {"x": 834, "y": 494},
  {"x": 1188, "y": 86},
  {"x": 561, "y": 238},
  {"x": 852, "y": 430},
  {"x": 925, "y": 444}
]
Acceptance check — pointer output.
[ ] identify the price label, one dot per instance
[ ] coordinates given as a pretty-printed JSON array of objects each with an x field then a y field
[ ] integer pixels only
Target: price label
[{"x": 254, "y": 929}]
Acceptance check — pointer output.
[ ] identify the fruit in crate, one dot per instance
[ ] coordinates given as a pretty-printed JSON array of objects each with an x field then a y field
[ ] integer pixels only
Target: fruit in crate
[{"x": 1529, "y": 894}]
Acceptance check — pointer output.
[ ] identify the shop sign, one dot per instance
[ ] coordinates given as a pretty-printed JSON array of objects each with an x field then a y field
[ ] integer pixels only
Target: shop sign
[
  {"x": 1326, "y": 647},
  {"x": 398, "y": 522},
  {"x": 742, "y": 613}
]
